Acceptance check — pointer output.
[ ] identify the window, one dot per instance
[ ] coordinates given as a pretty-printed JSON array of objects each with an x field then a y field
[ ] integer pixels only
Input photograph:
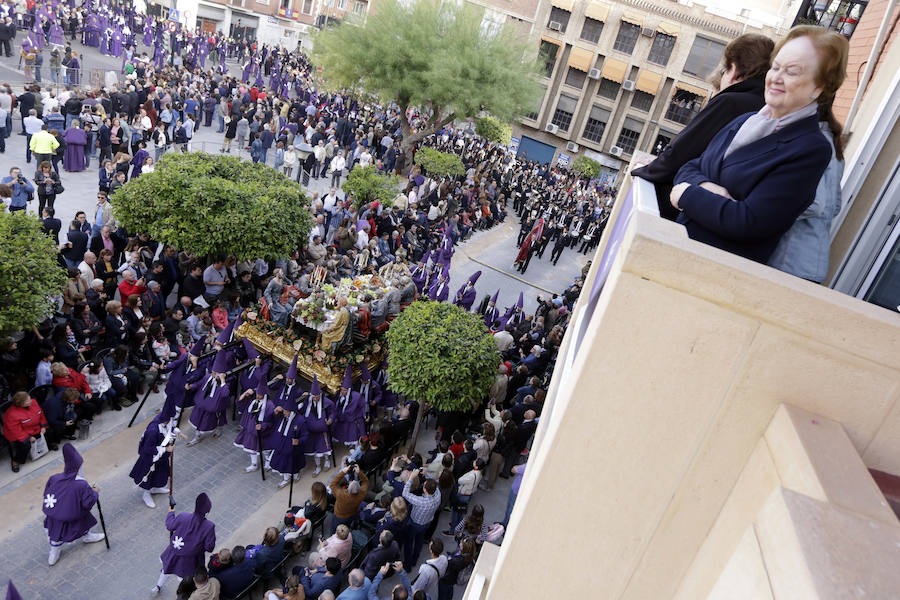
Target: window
[
  {"x": 628, "y": 138},
  {"x": 307, "y": 7},
  {"x": 533, "y": 115},
  {"x": 359, "y": 8},
  {"x": 565, "y": 108},
  {"x": 661, "y": 49},
  {"x": 285, "y": 4},
  {"x": 608, "y": 89},
  {"x": 560, "y": 16},
  {"x": 705, "y": 54},
  {"x": 642, "y": 101},
  {"x": 575, "y": 78},
  {"x": 683, "y": 107},
  {"x": 547, "y": 54},
  {"x": 596, "y": 124},
  {"x": 627, "y": 37},
  {"x": 663, "y": 139},
  {"x": 492, "y": 22},
  {"x": 592, "y": 30}
]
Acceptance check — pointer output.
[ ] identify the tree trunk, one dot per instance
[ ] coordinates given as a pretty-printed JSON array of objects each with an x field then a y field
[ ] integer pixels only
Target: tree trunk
[
  {"x": 410, "y": 139},
  {"x": 414, "y": 438}
]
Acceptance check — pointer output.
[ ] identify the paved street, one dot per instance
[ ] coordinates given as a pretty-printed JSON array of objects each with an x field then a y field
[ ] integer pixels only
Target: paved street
[{"x": 242, "y": 504}]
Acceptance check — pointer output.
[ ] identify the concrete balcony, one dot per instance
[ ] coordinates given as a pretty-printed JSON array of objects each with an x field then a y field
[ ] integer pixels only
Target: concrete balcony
[{"x": 668, "y": 395}]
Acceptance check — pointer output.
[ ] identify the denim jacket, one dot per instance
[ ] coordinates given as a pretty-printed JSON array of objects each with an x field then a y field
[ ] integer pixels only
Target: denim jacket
[{"x": 803, "y": 251}]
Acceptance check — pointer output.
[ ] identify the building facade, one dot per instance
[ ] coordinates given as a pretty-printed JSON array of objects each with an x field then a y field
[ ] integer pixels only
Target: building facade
[{"x": 627, "y": 76}]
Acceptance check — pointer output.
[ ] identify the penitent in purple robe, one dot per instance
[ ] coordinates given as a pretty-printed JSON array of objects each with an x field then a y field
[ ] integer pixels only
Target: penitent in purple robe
[
  {"x": 57, "y": 36},
  {"x": 68, "y": 500},
  {"x": 76, "y": 141},
  {"x": 211, "y": 404},
  {"x": 191, "y": 536},
  {"x": 349, "y": 421},
  {"x": 287, "y": 457},
  {"x": 151, "y": 470},
  {"x": 317, "y": 413},
  {"x": 465, "y": 297}
]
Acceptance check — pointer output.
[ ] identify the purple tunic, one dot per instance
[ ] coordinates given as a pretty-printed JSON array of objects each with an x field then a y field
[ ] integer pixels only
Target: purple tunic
[
  {"x": 465, "y": 298},
  {"x": 288, "y": 458},
  {"x": 68, "y": 500},
  {"x": 151, "y": 470},
  {"x": 76, "y": 140},
  {"x": 371, "y": 395},
  {"x": 316, "y": 416},
  {"x": 137, "y": 163},
  {"x": 285, "y": 395},
  {"x": 388, "y": 398},
  {"x": 211, "y": 404},
  {"x": 247, "y": 439},
  {"x": 439, "y": 290},
  {"x": 349, "y": 424},
  {"x": 57, "y": 36},
  {"x": 181, "y": 373},
  {"x": 249, "y": 380},
  {"x": 116, "y": 45},
  {"x": 191, "y": 536}
]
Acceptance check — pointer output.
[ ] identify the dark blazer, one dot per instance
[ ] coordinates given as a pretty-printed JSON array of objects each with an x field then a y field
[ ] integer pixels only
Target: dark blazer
[
  {"x": 235, "y": 578},
  {"x": 732, "y": 102},
  {"x": 772, "y": 181}
]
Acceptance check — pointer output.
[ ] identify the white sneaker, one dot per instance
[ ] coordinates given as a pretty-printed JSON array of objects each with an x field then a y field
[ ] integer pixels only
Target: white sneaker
[
  {"x": 92, "y": 537},
  {"x": 54, "y": 555},
  {"x": 283, "y": 483},
  {"x": 155, "y": 591},
  {"x": 296, "y": 476},
  {"x": 268, "y": 467},
  {"x": 317, "y": 471},
  {"x": 193, "y": 442},
  {"x": 251, "y": 468},
  {"x": 327, "y": 465},
  {"x": 148, "y": 499}
]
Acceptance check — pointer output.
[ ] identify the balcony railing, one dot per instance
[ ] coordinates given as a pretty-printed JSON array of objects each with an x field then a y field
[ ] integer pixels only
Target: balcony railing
[{"x": 680, "y": 114}]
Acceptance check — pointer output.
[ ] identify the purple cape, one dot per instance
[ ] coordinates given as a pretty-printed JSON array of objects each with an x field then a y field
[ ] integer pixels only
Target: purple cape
[
  {"x": 318, "y": 441},
  {"x": 349, "y": 424},
  {"x": 211, "y": 404},
  {"x": 191, "y": 536},
  {"x": 68, "y": 501}
]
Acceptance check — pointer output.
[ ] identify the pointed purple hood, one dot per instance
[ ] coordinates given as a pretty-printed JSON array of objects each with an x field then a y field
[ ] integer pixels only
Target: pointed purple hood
[
  {"x": 314, "y": 389},
  {"x": 11, "y": 592},
  {"x": 348, "y": 379},
  {"x": 262, "y": 388},
  {"x": 520, "y": 302},
  {"x": 364, "y": 374},
  {"x": 225, "y": 336},
  {"x": 202, "y": 505},
  {"x": 221, "y": 363},
  {"x": 73, "y": 460},
  {"x": 197, "y": 348},
  {"x": 250, "y": 350},
  {"x": 474, "y": 277},
  {"x": 494, "y": 298},
  {"x": 292, "y": 370}
]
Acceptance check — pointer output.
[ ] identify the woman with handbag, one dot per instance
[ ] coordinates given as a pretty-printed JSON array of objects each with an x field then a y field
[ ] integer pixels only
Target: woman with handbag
[
  {"x": 48, "y": 186},
  {"x": 23, "y": 424}
]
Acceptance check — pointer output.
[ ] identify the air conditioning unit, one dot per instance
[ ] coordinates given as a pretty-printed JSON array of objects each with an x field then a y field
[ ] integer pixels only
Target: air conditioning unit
[
  {"x": 555, "y": 26},
  {"x": 628, "y": 85},
  {"x": 572, "y": 147},
  {"x": 594, "y": 74},
  {"x": 551, "y": 128},
  {"x": 615, "y": 151},
  {"x": 648, "y": 32}
]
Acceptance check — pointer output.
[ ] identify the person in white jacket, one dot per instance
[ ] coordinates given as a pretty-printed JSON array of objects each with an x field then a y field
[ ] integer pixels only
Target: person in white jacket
[
  {"x": 290, "y": 161},
  {"x": 336, "y": 169}
]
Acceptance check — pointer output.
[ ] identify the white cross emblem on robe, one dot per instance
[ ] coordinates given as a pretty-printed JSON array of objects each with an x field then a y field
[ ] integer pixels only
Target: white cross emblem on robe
[
  {"x": 178, "y": 542},
  {"x": 50, "y": 501}
]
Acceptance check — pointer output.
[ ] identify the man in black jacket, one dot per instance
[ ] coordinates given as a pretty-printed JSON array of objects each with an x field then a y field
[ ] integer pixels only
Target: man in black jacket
[
  {"x": 746, "y": 61},
  {"x": 7, "y": 34}
]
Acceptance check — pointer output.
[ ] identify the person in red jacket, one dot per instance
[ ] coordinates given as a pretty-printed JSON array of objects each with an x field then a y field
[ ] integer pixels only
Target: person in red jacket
[
  {"x": 23, "y": 422},
  {"x": 64, "y": 377},
  {"x": 130, "y": 285}
]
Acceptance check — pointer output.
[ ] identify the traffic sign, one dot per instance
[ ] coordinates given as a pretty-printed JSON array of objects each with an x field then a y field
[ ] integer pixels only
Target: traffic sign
[{"x": 172, "y": 26}]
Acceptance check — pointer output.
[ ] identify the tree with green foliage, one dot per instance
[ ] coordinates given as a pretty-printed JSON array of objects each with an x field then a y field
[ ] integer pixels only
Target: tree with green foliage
[
  {"x": 442, "y": 356},
  {"x": 439, "y": 164},
  {"x": 434, "y": 56},
  {"x": 368, "y": 185},
  {"x": 29, "y": 272},
  {"x": 494, "y": 130},
  {"x": 586, "y": 166},
  {"x": 211, "y": 205}
]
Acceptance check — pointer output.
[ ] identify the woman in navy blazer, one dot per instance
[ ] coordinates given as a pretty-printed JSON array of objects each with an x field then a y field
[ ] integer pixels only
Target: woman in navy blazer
[{"x": 761, "y": 171}]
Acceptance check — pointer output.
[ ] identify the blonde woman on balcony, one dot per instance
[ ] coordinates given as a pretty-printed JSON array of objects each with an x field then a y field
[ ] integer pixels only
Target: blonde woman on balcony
[{"x": 761, "y": 172}]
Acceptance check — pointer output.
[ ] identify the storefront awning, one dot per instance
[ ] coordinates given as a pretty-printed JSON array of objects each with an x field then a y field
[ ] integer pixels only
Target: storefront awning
[
  {"x": 597, "y": 10},
  {"x": 693, "y": 89},
  {"x": 564, "y": 4},
  {"x": 648, "y": 82},
  {"x": 614, "y": 70},
  {"x": 668, "y": 28},
  {"x": 635, "y": 18},
  {"x": 581, "y": 59}
]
